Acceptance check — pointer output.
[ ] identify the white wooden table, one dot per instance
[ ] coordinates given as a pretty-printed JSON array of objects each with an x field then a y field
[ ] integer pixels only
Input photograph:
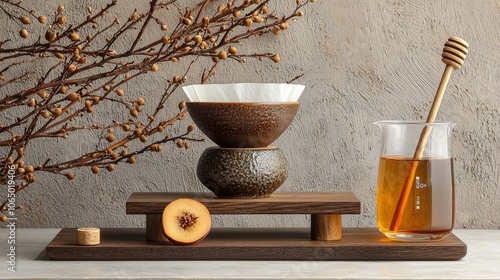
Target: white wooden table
[{"x": 481, "y": 262}]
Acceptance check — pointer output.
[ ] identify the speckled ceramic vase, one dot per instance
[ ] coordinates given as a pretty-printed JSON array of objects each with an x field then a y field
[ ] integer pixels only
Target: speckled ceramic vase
[{"x": 242, "y": 172}]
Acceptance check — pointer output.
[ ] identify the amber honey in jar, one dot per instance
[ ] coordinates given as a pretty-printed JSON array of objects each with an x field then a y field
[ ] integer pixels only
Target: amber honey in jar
[
  {"x": 415, "y": 195},
  {"x": 429, "y": 210}
]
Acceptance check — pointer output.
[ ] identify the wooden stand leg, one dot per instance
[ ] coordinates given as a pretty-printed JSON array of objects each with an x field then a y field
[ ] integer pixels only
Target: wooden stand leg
[
  {"x": 154, "y": 228},
  {"x": 326, "y": 226}
]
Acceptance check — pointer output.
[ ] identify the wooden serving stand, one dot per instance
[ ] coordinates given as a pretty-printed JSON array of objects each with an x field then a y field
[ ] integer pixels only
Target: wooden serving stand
[
  {"x": 324, "y": 240},
  {"x": 325, "y": 208}
]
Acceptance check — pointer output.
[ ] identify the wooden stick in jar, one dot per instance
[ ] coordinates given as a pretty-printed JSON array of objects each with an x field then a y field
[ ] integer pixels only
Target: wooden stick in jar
[{"x": 454, "y": 53}]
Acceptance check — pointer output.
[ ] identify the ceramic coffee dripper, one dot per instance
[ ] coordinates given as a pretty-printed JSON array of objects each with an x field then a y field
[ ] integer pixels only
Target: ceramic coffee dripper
[{"x": 243, "y": 120}]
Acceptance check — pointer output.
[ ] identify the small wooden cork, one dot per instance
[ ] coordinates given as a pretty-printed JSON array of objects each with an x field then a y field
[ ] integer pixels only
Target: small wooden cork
[{"x": 89, "y": 236}]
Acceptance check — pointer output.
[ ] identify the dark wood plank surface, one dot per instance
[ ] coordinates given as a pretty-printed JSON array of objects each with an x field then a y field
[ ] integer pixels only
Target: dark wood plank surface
[
  {"x": 277, "y": 203},
  {"x": 254, "y": 244}
]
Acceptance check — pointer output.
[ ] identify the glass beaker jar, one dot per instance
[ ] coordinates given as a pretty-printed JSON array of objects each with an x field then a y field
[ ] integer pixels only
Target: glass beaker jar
[{"x": 415, "y": 188}]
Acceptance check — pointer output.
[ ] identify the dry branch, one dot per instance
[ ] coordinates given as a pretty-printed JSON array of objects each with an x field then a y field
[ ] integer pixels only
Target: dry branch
[{"x": 54, "y": 82}]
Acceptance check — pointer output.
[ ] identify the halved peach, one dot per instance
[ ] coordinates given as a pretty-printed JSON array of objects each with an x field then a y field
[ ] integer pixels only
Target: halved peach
[{"x": 186, "y": 221}]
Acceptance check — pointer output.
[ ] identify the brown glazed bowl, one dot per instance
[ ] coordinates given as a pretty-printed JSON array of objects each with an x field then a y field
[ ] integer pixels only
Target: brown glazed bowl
[
  {"x": 242, "y": 173},
  {"x": 242, "y": 124}
]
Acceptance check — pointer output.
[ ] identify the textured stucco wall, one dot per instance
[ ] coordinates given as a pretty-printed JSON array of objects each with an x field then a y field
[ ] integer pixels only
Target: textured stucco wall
[{"x": 362, "y": 61}]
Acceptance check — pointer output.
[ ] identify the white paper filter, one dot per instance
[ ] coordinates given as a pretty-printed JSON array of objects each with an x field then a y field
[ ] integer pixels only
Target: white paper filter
[{"x": 244, "y": 92}]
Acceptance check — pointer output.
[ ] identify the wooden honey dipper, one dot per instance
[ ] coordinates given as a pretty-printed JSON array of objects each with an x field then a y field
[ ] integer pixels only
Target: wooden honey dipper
[{"x": 454, "y": 53}]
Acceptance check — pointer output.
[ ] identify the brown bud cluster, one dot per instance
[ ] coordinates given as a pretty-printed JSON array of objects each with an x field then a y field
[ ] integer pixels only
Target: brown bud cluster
[
  {"x": 95, "y": 169},
  {"x": 25, "y": 20},
  {"x": 156, "y": 148},
  {"x": 23, "y": 33},
  {"x": 110, "y": 167}
]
